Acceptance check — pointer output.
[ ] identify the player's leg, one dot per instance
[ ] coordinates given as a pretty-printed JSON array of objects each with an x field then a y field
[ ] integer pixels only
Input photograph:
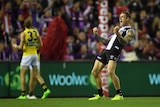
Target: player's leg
[
  {"x": 32, "y": 84},
  {"x": 25, "y": 63},
  {"x": 42, "y": 82},
  {"x": 23, "y": 71},
  {"x": 39, "y": 78},
  {"x": 33, "y": 80},
  {"x": 115, "y": 79},
  {"x": 111, "y": 71},
  {"x": 96, "y": 74}
]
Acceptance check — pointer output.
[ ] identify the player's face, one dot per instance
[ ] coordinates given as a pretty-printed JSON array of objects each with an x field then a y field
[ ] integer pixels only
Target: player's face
[{"x": 123, "y": 20}]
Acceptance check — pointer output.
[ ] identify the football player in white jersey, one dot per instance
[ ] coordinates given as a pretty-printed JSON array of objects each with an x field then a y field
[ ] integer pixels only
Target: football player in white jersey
[{"x": 123, "y": 34}]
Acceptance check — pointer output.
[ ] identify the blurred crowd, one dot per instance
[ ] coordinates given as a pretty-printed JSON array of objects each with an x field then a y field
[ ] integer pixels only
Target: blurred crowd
[{"x": 80, "y": 16}]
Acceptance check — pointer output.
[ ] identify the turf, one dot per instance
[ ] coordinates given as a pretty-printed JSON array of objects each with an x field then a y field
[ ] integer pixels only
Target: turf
[{"x": 82, "y": 102}]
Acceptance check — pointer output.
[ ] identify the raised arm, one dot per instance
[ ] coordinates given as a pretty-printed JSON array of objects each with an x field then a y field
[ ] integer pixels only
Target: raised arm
[{"x": 101, "y": 39}]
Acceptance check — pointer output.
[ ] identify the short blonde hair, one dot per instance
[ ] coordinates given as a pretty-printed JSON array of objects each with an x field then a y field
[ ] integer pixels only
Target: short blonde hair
[
  {"x": 127, "y": 14},
  {"x": 28, "y": 22}
]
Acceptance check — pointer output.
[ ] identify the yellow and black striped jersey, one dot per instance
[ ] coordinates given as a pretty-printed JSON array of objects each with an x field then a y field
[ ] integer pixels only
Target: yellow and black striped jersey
[{"x": 31, "y": 41}]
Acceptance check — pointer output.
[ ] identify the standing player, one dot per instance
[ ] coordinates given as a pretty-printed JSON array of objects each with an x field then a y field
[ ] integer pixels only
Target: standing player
[
  {"x": 30, "y": 41},
  {"x": 123, "y": 34}
]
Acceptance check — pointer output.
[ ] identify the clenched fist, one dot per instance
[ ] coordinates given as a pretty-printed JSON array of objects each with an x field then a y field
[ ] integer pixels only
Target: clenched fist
[
  {"x": 95, "y": 30},
  {"x": 116, "y": 29}
]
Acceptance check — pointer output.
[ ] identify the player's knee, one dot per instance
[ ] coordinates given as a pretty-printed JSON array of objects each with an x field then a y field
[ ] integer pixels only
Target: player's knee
[
  {"x": 111, "y": 71},
  {"x": 111, "y": 74},
  {"x": 95, "y": 74},
  {"x": 32, "y": 76}
]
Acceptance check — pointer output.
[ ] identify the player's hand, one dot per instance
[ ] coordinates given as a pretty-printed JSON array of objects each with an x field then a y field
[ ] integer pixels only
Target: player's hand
[
  {"x": 116, "y": 29},
  {"x": 14, "y": 45},
  {"x": 95, "y": 30}
]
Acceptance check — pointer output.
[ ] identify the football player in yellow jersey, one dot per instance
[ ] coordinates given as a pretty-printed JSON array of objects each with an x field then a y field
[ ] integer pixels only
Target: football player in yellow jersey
[{"x": 29, "y": 42}]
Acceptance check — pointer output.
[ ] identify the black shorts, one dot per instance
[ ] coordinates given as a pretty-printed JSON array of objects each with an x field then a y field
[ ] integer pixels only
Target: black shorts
[{"x": 106, "y": 55}]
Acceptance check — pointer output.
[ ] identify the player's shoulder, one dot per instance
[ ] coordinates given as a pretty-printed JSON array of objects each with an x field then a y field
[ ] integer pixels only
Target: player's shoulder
[
  {"x": 125, "y": 27},
  {"x": 132, "y": 29},
  {"x": 26, "y": 30}
]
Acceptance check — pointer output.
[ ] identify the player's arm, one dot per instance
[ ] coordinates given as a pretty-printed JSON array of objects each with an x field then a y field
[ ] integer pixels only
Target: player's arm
[
  {"x": 40, "y": 42},
  {"x": 127, "y": 38},
  {"x": 95, "y": 32},
  {"x": 22, "y": 40}
]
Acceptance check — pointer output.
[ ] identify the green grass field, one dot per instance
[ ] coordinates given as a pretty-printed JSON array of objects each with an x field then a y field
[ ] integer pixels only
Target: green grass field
[{"x": 82, "y": 102}]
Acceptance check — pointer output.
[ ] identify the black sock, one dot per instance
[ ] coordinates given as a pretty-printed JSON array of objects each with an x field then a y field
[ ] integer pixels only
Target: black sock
[
  {"x": 30, "y": 93},
  {"x": 23, "y": 93},
  {"x": 100, "y": 92},
  {"x": 44, "y": 87},
  {"x": 119, "y": 92}
]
